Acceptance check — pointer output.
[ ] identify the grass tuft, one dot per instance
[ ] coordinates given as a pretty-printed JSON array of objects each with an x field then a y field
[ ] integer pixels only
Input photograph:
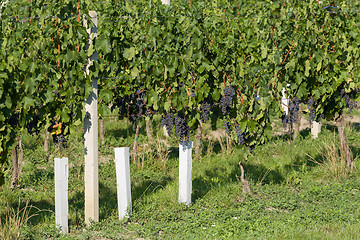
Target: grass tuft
[
  {"x": 15, "y": 220},
  {"x": 332, "y": 161}
]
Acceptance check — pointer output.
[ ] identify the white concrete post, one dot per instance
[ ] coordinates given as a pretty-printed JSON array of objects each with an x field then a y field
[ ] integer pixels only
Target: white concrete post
[
  {"x": 61, "y": 194},
  {"x": 185, "y": 168},
  {"x": 285, "y": 102},
  {"x": 167, "y": 2},
  {"x": 315, "y": 129},
  {"x": 91, "y": 135},
  {"x": 122, "y": 165}
]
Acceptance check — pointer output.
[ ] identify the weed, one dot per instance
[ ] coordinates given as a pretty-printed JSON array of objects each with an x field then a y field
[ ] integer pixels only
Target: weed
[
  {"x": 332, "y": 160},
  {"x": 14, "y": 222}
]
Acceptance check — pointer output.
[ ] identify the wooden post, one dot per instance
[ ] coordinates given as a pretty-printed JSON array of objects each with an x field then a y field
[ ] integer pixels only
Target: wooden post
[
  {"x": 185, "y": 168},
  {"x": 15, "y": 173},
  {"x": 122, "y": 165},
  {"x": 47, "y": 142},
  {"x": 198, "y": 141},
  {"x": 61, "y": 194},
  {"x": 91, "y": 135},
  {"x": 315, "y": 129}
]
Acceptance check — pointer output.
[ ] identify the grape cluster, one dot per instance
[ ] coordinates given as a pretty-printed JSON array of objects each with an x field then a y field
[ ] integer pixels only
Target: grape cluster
[
  {"x": 134, "y": 105},
  {"x": 182, "y": 129},
  {"x": 285, "y": 120},
  {"x": 312, "y": 109},
  {"x": 226, "y": 100},
  {"x": 252, "y": 150},
  {"x": 205, "y": 108},
  {"x": 140, "y": 102},
  {"x": 240, "y": 135},
  {"x": 289, "y": 120},
  {"x": 59, "y": 141},
  {"x": 349, "y": 98},
  {"x": 227, "y": 127},
  {"x": 168, "y": 122}
]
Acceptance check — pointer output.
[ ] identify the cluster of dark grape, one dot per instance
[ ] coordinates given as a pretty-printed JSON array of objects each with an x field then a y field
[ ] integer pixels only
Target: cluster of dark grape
[
  {"x": 205, "y": 108},
  {"x": 140, "y": 102},
  {"x": 240, "y": 135},
  {"x": 168, "y": 122},
  {"x": 226, "y": 100},
  {"x": 227, "y": 127},
  {"x": 349, "y": 98},
  {"x": 133, "y": 105},
  {"x": 182, "y": 129},
  {"x": 252, "y": 150},
  {"x": 312, "y": 109},
  {"x": 122, "y": 103},
  {"x": 294, "y": 107},
  {"x": 285, "y": 120},
  {"x": 59, "y": 140}
]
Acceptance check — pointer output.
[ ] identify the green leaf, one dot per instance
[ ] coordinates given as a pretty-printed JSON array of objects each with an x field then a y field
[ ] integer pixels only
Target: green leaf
[
  {"x": 129, "y": 53},
  {"x": 318, "y": 66},
  {"x": 103, "y": 44},
  {"x": 307, "y": 68},
  {"x": 3, "y": 75},
  {"x": 28, "y": 102},
  {"x": 216, "y": 95},
  {"x": 135, "y": 72}
]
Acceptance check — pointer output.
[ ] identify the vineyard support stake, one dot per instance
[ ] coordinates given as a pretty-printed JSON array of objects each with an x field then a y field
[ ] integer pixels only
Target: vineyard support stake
[
  {"x": 91, "y": 134},
  {"x": 185, "y": 168},
  {"x": 315, "y": 129},
  {"x": 61, "y": 194},
  {"x": 123, "y": 182}
]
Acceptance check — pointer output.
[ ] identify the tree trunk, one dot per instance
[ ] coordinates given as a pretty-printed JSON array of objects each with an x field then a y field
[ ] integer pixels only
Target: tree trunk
[
  {"x": 47, "y": 141},
  {"x": 135, "y": 143},
  {"x": 15, "y": 175},
  {"x": 101, "y": 131},
  {"x": 149, "y": 130},
  {"x": 245, "y": 183},
  {"x": 298, "y": 123},
  {"x": 343, "y": 142},
  {"x": 198, "y": 141},
  {"x": 20, "y": 154}
]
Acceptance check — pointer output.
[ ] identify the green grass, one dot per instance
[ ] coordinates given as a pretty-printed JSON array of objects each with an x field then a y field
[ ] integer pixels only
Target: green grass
[{"x": 308, "y": 203}]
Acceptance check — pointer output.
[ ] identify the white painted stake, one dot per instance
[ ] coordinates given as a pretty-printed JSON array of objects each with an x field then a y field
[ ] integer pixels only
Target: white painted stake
[
  {"x": 167, "y": 2},
  {"x": 61, "y": 194},
  {"x": 185, "y": 168},
  {"x": 315, "y": 129},
  {"x": 91, "y": 135},
  {"x": 123, "y": 182},
  {"x": 285, "y": 102}
]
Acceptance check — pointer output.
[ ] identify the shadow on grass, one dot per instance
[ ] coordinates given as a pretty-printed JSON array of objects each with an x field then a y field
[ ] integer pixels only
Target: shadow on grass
[
  {"x": 256, "y": 173},
  {"x": 146, "y": 187},
  {"x": 35, "y": 211},
  {"x": 356, "y": 126},
  {"x": 285, "y": 136}
]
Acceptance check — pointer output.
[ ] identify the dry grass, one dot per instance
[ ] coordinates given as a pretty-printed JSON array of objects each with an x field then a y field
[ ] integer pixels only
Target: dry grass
[
  {"x": 15, "y": 219},
  {"x": 333, "y": 160}
]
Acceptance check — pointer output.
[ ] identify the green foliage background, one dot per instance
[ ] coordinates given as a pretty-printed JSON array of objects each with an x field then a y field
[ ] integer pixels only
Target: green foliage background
[{"x": 177, "y": 54}]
